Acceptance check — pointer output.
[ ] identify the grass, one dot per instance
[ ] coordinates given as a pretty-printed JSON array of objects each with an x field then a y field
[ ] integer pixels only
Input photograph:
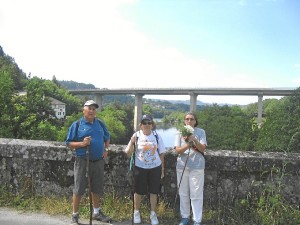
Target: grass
[
  {"x": 265, "y": 206},
  {"x": 117, "y": 207}
]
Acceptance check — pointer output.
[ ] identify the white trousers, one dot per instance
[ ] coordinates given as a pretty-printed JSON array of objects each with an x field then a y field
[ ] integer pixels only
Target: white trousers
[{"x": 191, "y": 193}]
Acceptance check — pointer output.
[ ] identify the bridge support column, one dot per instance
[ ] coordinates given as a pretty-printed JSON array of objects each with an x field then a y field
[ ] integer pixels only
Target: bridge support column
[
  {"x": 260, "y": 109},
  {"x": 138, "y": 109},
  {"x": 193, "y": 102},
  {"x": 98, "y": 100}
]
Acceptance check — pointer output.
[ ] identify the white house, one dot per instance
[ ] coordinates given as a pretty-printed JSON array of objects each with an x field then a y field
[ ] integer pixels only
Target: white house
[{"x": 58, "y": 107}]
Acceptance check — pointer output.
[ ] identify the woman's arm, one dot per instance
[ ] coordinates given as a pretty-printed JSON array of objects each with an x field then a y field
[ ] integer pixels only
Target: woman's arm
[{"x": 130, "y": 147}]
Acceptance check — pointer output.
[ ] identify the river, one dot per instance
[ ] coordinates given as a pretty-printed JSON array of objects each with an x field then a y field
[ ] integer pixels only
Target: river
[{"x": 167, "y": 134}]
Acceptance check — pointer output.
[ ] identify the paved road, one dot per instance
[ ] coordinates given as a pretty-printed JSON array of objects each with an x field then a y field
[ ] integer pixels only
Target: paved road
[{"x": 13, "y": 217}]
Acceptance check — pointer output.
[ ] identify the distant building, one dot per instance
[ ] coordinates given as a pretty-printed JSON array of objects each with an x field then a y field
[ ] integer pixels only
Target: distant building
[{"x": 58, "y": 107}]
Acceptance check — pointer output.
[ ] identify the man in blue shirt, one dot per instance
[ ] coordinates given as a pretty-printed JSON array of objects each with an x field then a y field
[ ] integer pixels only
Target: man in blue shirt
[{"x": 90, "y": 132}]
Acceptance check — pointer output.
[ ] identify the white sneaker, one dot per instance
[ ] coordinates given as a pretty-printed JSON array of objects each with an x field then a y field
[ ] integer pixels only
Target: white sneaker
[
  {"x": 153, "y": 218},
  {"x": 137, "y": 217}
]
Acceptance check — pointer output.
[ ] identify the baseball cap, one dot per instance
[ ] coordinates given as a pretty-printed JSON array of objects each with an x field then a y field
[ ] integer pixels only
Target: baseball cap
[
  {"x": 91, "y": 102},
  {"x": 147, "y": 117}
]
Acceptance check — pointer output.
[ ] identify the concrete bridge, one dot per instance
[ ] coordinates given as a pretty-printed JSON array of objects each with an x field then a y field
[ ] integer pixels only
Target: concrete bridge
[{"x": 192, "y": 92}]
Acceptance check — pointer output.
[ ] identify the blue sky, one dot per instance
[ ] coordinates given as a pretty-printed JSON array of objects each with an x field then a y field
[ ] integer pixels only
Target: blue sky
[{"x": 157, "y": 43}]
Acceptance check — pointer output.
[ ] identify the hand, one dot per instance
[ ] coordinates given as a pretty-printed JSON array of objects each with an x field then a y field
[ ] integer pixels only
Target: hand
[
  {"x": 132, "y": 139},
  {"x": 186, "y": 138},
  {"x": 105, "y": 153},
  {"x": 87, "y": 141},
  {"x": 191, "y": 138}
]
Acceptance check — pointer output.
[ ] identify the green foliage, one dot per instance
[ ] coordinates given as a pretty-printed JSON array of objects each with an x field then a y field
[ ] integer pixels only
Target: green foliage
[
  {"x": 263, "y": 205},
  {"x": 175, "y": 118},
  {"x": 46, "y": 131},
  {"x": 294, "y": 144},
  {"x": 269, "y": 208},
  {"x": 280, "y": 129},
  {"x": 73, "y": 103},
  {"x": 6, "y": 88},
  {"x": 6, "y": 105},
  {"x": 8, "y": 65},
  {"x": 227, "y": 127},
  {"x": 117, "y": 99},
  {"x": 62, "y": 133},
  {"x": 29, "y": 116},
  {"x": 268, "y": 204},
  {"x": 147, "y": 109},
  {"x": 72, "y": 85},
  {"x": 112, "y": 204},
  {"x": 119, "y": 120},
  {"x": 113, "y": 119}
]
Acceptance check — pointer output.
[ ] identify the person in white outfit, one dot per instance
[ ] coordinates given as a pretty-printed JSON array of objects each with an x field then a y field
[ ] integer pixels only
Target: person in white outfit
[
  {"x": 190, "y": 170},
  {"x": 148, "y": 166}
]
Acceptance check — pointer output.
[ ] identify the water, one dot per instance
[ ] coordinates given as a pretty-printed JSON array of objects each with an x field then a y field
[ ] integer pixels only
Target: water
[{"x": 168, "y": 136}]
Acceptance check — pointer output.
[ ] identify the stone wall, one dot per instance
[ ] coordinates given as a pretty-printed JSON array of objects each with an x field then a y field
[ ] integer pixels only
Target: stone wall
[{"x": 46, "y": 168}]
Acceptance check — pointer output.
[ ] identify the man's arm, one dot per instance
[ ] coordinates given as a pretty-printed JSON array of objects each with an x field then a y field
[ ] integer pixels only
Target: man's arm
[
  {"x": 106, "y": 148},
  {"x": 80, "y": 144}
]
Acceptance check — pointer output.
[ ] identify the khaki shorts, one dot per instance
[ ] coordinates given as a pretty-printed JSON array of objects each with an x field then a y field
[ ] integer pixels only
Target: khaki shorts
[{"x": 96, "y": 170}]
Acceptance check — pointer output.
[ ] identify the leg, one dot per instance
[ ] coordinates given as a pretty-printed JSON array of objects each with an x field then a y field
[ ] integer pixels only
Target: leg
[
  {"x": 79, "y": 187},
  {"x": 137, "y": 205},
  {"x": 76, "y": 202},
  {"x": 97, "y": 175},
  {"x": 96, "y": 200},
  {"x": 184, "y": 193},
  {"x": 137, "y": 201},
  {"x": 98, "y": 214},
  {"x": 153, "y": 201},
  {"x": 197, "y": 185},
  {"x": 79, "y": 182}
]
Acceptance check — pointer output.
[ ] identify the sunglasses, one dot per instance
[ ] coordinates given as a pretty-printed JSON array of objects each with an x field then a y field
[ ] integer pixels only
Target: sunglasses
[
  {"x": 145, "y": 123},
  {"x": 191, "y": 119}
]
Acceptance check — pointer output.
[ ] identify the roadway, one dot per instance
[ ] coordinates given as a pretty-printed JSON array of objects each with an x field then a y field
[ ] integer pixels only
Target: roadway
[{"x": 13, "y": 217}]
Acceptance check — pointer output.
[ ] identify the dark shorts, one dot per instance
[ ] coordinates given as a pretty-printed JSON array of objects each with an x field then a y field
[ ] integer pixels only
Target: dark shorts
[
  {"x": 147, "y": 180},
  {"x": 96, "y": 169}
]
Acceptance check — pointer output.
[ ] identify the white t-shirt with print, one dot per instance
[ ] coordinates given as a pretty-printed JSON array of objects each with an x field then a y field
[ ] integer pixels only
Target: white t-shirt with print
[{"x": 148, "y": 150}]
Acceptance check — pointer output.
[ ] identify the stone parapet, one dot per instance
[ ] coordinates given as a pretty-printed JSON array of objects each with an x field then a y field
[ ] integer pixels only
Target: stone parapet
[{"x": 46, "y": 168}]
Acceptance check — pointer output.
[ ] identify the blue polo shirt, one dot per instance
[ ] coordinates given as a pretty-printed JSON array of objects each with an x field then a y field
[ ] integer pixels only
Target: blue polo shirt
[{"x": 98, "y": 132}]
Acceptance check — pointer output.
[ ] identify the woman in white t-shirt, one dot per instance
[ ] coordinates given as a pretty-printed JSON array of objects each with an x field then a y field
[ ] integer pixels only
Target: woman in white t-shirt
[
  {"x": 190, "y": 170},
  {"x": 148, "y": 148}
]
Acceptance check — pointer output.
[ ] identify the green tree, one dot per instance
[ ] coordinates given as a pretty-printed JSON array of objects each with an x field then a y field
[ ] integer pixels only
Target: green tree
[
  {"x": 8, "y": 65},
  {"x": 279, "y": 132},
  {"x": 226, "y": 127},
  {"x": 113, "y": 119},
  {"x": 6, "y": 104}
]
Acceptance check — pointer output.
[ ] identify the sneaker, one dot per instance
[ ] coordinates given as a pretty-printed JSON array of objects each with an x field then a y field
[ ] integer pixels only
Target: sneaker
[
  {"x": 137, "y": 217},
  {"x": 101, "y": 217},
  {"x": 153, "y": 218},
  {"x": 184, "y": 221},
  {"x": 74, "y": 220}
]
